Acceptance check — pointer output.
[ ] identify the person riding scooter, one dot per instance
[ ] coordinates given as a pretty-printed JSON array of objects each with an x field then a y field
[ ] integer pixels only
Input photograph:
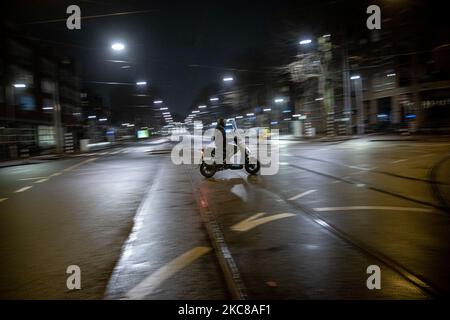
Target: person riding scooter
[{"x": 220, "y": 140}]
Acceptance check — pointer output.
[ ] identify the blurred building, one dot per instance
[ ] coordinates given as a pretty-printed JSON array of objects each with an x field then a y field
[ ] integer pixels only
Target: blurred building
[{"x": 39, "y": 97}]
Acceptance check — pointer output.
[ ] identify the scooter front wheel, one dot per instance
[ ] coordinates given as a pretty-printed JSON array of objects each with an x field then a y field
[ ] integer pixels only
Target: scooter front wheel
[{"x": 207, "y": 170}]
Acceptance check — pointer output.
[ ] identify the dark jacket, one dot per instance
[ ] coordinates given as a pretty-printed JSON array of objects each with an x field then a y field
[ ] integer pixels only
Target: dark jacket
[{"x": 224, "y": 135}]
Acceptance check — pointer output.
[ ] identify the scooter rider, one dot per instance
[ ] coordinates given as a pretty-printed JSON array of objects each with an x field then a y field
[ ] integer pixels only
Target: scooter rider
[{"x": 220, "y": 139}]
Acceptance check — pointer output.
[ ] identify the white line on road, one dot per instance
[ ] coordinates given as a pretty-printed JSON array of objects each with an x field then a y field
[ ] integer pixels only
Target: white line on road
[
  {"x": 372, "y": 208},
  {"x": 35, "y": 178},
  {"x": 255, "y": 221},
  {"x": 42, "y": 180},
  {"x": 79, "y": 164},
  {"x": 398, "y": 161},
  {"x": 153, "y": 281},
  {"x": 23, "y": 189},
  {"x": 55, "y": 174},
  {"x": 360, "y": 168},
  {"x": 3, "y": 199},
  {"x": 302, "y": 194}
]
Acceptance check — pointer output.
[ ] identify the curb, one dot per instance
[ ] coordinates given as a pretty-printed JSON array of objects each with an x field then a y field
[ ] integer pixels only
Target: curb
[{"x": 229, "y": 269}]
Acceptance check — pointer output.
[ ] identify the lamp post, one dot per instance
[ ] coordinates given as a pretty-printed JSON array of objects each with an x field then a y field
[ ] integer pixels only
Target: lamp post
[{"x": 359, "y": 103}]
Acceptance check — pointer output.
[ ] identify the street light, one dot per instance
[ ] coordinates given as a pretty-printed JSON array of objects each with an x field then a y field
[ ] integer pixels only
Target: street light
[
  {"x": 214, "y": 99},
  {"x": 359, "y": 102},
  {"x": 228, "y": 79},
  {"x": 201, "y": 107},
  {"x": 141, "y": 83},
  {"x": 19, "y": 85},
  {"x": 306, "y": 41},
  {"x": 279, "y": 100},
  {"x": 267, "y": 109},
  {"x": 158, "y": 102},
  {"x": 118, "y": 46}
]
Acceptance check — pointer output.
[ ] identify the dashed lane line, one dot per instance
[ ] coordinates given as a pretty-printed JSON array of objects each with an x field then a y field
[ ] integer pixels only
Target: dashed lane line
[
  {"x": 42, "y": 180},
  {"x": 79, "y": 164},
  {"x": 34, "y": 178},
  {"x": 23, "y": 189},
  {"x": 399, "y": 160}
]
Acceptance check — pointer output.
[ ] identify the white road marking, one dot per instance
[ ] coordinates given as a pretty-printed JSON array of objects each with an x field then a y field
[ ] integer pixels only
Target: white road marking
[
  {"x": 302, "y": 194},
  {"x": 23, "y": 189},
  {"x": 372, "y": 208},
  {"x": 337, "y": 181},
  {"x": 360, "y": 168},
  {"x": 398, "y": 161},
  {"x": 3, "y": 199},
  {"x": 42, "y": 180},
  {"x": 55, "y": 174},
  {"x": 255, "y": 221},
  {"x": 79, "y": 164},
  {"x": 153, "y": 281},
  {"x": 35, "y": 178}
]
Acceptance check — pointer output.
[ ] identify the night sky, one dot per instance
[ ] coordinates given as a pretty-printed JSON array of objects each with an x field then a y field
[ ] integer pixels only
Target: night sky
[{"x": 162, "y": 45}]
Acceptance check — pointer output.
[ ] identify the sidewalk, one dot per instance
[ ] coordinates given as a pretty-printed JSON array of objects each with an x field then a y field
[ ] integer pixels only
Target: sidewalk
[
  {"x": 291, "y": 137},
  {"x": 371, "y": 137}
]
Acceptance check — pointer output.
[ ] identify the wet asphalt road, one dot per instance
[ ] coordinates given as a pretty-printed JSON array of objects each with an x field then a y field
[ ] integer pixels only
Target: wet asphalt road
[{"x": 132, "y": 221}]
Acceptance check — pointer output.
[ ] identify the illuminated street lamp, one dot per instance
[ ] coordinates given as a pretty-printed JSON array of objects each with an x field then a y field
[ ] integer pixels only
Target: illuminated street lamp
[
  {"x": 214, "y": 99},
  {"x": 228, "y": 79},
  {"x": 141, "y": 83},
  {"x": 118, "y": 46},
  {"x": 279, "y": 100},
  {"x": 19, "y": 85},
  {"x": 305, "y": 41},
  {"x": 157, "y": 101}
]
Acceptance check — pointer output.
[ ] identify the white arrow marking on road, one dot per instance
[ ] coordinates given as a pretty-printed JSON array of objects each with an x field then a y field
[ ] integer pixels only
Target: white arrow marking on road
[
  {"x": 253, "y": 221},
  {"x": 372, "y": 208},
  {"x": 302, "y": 194},
  {"x": 23, "y": 189},
  {"x": 153, "y": 281}
]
